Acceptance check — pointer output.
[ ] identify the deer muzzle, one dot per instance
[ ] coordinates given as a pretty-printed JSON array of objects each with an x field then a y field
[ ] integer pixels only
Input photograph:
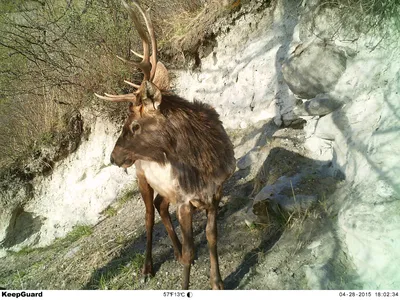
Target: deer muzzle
[{"x": 119, "y": 161}]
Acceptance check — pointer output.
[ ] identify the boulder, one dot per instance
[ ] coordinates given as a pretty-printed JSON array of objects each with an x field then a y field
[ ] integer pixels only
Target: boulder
[{"x": 314, "y": 69}]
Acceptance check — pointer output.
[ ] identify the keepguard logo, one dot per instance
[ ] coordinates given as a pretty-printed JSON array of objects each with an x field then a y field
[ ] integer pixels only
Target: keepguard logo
[{"x": 16, "y": 295}]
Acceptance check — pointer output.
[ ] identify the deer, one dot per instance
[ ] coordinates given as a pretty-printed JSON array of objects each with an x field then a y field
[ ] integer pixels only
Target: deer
[{"x": 180, "y": 150}]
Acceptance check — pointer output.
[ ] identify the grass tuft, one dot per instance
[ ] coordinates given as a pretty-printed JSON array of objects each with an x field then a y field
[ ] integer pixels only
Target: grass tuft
[
  {"x": 110, "y": 212},
  {"x": 78, "y": 232}
]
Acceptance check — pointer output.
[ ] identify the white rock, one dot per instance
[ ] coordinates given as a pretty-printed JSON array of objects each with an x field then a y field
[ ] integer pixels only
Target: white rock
[
  {"x": 317, "y": 276},
  {"x": 80, "y": 187},
  {"x": 249, "y": 158},
  {"x": 3, "y": 252}
]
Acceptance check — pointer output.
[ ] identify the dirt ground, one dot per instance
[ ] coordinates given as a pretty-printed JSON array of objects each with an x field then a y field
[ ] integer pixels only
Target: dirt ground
[{"x": 271, "y": 251}]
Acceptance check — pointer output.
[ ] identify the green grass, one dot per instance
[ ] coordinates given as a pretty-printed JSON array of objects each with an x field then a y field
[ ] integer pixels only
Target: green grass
[
  {"x": 110, "y": 212},
  {"x": 103, "y": 282},
  {"x": 75, "y": 234},
  {"x": 78, "y": 232},
  {"x": 255, "y": 227},
  {"x": 124, "y": 277},
  {"x": 128, "y": 195},
  {"x": 137, "y": 262},
  {"x": 24, "y": 251}
]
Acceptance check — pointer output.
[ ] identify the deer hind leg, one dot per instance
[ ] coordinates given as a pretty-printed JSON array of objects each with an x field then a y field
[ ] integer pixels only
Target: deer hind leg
[
  {"x": 162, "y": 205},
  {"x": 185, "y": 212},
  {"x": 147, "y": 194},
  {"x": 211, "y": 233}
]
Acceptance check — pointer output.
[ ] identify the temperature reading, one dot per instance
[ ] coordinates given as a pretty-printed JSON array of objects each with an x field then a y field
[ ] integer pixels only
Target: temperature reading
[{"x": 178, "y": 294}]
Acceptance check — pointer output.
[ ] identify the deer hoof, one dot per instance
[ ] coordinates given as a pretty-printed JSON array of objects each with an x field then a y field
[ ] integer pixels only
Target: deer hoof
[
  {"x": 146, "y": 278},
  {"x": 147, "y": 272}
]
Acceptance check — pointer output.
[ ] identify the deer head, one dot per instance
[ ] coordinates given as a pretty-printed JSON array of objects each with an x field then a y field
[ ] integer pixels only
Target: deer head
[{"x": 144, "y": 116}]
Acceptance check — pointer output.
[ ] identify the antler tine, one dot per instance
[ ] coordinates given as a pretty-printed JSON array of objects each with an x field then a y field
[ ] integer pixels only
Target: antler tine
[
  {"x": 132, "y": 84},
  {"x": 118, "y": 98},
  {"x": 137, "y": 54},
  {"x": 153, "y": 57},
  {"x": 131, "y": 63}
]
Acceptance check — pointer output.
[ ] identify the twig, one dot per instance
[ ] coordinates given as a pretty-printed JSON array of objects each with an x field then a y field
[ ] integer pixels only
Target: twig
[{"x": 113, "y": 250}]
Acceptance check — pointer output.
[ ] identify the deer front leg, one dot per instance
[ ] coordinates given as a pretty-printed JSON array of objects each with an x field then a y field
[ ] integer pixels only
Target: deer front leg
[
  {"x": 185, "y": 220},
  {"x": 162, "y": 204},
  {"x": 147, "y": 194},
  {"x": 211, "y": 233}
]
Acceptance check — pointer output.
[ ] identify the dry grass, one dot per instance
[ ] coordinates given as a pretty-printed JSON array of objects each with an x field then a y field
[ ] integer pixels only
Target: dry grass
[
  {"x": 366, "y": 16},
  {"x": 384, "y": 9},
  {"x": 24, "y": 124}
]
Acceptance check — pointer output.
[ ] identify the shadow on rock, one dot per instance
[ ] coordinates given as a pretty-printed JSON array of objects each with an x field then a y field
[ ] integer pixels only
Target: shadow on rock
[
  {"x": 287, "y": 186},
  {"x": 22, "y": 225}
]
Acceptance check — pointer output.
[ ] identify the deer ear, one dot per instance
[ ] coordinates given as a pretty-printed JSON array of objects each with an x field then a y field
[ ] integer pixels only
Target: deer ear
[
  {"x": 161, "y": 77},
  {"x": 151, "y": 96}
]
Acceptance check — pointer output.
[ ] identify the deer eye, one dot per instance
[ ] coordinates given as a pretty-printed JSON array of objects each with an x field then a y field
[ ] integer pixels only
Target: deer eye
[{"x": 135, "y": 126}]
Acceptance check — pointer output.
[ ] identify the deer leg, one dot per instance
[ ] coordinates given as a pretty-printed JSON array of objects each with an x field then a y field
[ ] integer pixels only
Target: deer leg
[
  {"x": 162, "y": 205},
  {"x": 147, "y": 194},
  {"x": 211, "y": 233},
  {"x": 185, "y": 220}
]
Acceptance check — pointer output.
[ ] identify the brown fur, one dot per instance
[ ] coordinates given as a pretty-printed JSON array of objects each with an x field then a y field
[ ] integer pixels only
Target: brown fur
[{"x": 191, "y": 136}]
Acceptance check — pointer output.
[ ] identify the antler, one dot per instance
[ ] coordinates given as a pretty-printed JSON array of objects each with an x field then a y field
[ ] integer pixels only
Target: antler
[
  {"x": 118, "y": 98},
  {"x": 148, "y": 64}
]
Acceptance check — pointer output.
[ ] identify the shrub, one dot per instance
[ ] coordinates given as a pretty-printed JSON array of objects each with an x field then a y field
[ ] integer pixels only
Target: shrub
[{"x": 55, "y": 54}]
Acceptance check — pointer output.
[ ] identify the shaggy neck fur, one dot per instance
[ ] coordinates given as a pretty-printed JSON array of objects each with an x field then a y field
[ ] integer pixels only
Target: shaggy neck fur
[{"x": 199, "y": 148}]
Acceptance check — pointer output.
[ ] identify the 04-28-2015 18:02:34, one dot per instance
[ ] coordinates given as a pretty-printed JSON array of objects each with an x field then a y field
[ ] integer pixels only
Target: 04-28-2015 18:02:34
[{"x": 369, "y": 294}]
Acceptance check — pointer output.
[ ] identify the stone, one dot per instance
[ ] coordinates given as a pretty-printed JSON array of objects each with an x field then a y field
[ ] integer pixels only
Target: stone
[
  {"x": 313, "y": 69},
  {"x": 317, "y": 276},
  {"x": 321, "y": 105},
  {"x": 248, "y": 159},
  {"x": 291, "y": 204},
  {"x": 72, "y": 252}
]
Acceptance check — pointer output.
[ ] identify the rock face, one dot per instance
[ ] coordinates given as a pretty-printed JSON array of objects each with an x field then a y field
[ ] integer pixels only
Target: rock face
[
  {"x": 238, "y": 76},
  {"x": 81, "y": 186},
  {"x": 15, "y": 223},
  {"x": 77, "y": 191},
  {"x": 366, "y": 147},
  {"x": 364, "y": 140}
]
